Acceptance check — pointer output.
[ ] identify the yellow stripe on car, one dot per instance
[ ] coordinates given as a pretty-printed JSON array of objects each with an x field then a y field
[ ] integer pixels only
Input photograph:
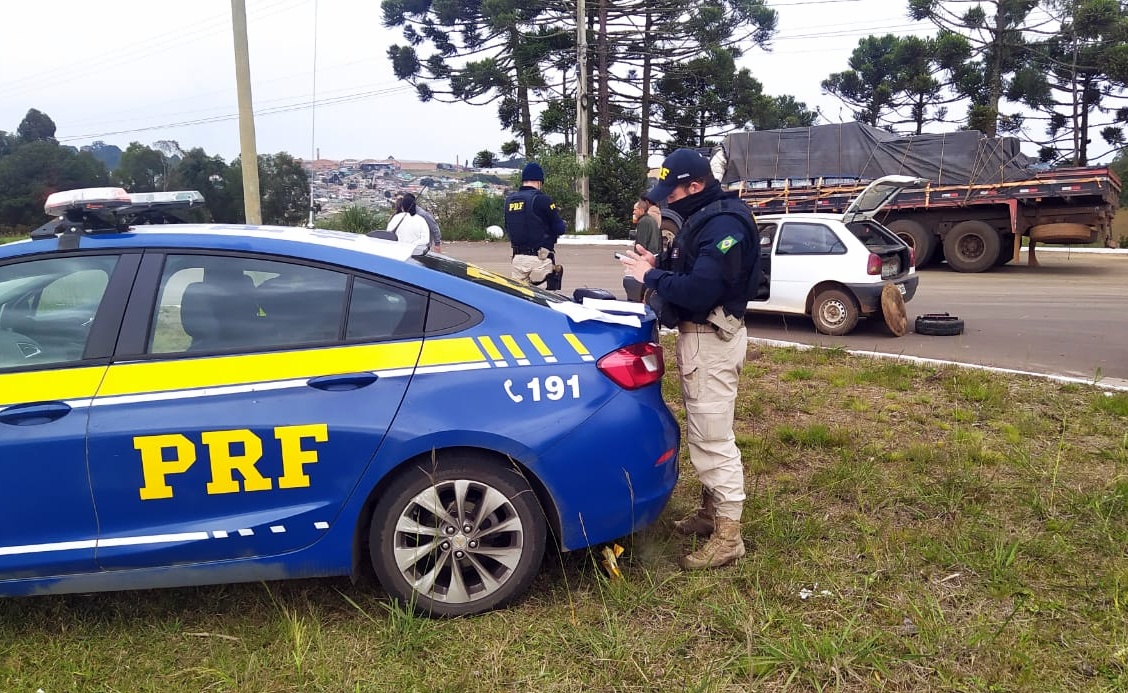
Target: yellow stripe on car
[
  {"x": 185, "y": 374},
  {"x": 48, "y": 386}
]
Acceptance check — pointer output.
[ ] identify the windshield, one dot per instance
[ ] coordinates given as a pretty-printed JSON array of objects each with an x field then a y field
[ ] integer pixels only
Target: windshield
[{"x": 484, "y": 277}]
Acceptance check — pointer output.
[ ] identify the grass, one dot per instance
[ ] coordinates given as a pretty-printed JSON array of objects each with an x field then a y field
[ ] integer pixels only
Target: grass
[{"x": 909, "y": 528}]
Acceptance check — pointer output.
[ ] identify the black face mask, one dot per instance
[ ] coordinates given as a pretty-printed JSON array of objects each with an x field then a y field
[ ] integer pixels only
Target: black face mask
[{"x": 685, "y": 206}]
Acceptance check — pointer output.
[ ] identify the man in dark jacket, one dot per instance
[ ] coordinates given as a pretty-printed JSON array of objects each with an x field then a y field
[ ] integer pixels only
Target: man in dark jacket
[
  {"x": 533, "y": 225},
  {"x": 703, "y": 283}
]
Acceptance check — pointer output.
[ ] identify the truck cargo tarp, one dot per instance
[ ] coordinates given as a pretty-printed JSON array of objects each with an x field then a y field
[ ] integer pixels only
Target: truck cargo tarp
[{"x": 858, "y": 151}]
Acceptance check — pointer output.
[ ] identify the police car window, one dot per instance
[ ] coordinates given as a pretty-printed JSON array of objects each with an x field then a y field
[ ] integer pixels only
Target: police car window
[
  {"x": 212, "y": 303},
  {"x": 805, "y": 238},
  {"x": 380, "y": 311},
  {"x": 493, "y": 280},
  {"x": 48, "y": 306}
]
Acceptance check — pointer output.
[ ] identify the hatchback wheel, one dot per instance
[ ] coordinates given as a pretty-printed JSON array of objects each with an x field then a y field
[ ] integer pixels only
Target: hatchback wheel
[
  {"x": 834, "y": 312},
  {"x": 457, "y": 537}
]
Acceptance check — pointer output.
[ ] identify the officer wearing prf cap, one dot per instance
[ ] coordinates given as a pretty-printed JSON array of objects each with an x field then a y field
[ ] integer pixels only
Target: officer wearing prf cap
[
  {"x": 533, "y": 225},
  {"x": 703, "y": 282}
]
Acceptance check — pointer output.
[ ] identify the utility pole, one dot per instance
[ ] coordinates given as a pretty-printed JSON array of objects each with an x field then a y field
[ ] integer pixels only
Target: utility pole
[
  {"x": 583, "y": 142},
  {"x": 252, "y": 202}
]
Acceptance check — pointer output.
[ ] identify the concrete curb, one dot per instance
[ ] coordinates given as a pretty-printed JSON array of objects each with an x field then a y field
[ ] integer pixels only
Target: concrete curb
[{"x": 1113, "y": 384}]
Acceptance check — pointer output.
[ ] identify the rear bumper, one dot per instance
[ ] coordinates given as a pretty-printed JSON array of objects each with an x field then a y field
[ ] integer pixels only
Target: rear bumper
[
  {"x": 869, "y": 295},
  {"x": 613, "y": 475}
]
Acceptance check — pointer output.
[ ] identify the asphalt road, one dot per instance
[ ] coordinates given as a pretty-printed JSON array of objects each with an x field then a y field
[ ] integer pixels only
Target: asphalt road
[{"x": 1068, "y": 316}]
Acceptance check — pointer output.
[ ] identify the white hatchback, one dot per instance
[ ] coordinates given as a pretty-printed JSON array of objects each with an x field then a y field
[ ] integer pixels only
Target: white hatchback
[{"x": 833, "y": 267}]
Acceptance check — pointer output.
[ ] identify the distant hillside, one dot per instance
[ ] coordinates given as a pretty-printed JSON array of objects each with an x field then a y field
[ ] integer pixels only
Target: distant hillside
[{"x": 108, "y": 154}]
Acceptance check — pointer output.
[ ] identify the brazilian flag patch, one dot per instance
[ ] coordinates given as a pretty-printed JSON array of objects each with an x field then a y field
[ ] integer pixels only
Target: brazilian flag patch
[{"x": 726, "y": 244}]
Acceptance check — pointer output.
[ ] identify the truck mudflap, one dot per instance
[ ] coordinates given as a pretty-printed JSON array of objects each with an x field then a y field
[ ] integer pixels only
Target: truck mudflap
[{"x": 869, "y": 295}]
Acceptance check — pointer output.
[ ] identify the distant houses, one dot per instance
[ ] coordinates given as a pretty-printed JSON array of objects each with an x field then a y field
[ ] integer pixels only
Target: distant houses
[{"x": 375, "y": 182}]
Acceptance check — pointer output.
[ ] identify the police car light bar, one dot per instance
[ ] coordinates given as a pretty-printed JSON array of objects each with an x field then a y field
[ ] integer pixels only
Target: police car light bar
[
  {"x": 185, "y": 197},
  {"x": 86, "y": 199}
]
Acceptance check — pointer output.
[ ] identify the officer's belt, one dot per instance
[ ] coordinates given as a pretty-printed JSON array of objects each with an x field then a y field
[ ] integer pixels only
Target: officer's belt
[
  {"x": 695, "y": 327},
  {"x": 524, "y": 250}
]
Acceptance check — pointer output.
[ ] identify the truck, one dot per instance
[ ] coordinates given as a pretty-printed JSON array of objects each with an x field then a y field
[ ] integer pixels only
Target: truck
[{"x": 981, "y": 199}]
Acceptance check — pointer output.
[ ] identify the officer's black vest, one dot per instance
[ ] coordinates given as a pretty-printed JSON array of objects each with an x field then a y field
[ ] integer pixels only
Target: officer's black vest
[
  {"x": 683, "y": 251},
  {"x": 527, "y": 231}
]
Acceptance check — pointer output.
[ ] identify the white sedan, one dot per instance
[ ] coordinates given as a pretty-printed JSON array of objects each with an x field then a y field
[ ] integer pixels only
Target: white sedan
[{"x": 833, "y": 267}]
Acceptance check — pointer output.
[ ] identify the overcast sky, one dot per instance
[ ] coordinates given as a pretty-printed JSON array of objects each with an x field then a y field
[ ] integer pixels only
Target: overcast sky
[{"x": 147, "y": 70}]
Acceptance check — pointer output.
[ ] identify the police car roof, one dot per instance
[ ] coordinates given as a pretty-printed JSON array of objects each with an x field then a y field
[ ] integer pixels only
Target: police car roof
[
  {"x": 207, "y": 234},
  {"x": 272, "y": 239}
]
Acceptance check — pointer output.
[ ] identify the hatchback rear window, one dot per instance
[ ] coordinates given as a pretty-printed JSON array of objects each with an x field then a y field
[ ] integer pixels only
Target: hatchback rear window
[{"x": 873, "y": 234}]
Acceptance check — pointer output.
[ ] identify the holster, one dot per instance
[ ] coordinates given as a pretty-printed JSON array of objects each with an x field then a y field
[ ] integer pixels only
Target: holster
[
  {"x": 728, "y": 326},
  {"x": 555, "y": 278}
]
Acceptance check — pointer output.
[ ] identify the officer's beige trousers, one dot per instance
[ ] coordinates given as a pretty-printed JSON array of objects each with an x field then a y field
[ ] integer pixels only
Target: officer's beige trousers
[
  {"x": 531, "y": 269},
  {"x": 710, "y": 371}
]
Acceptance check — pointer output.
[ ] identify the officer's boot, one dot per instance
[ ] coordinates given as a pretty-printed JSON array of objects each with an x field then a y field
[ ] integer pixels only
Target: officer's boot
[
  {"x": 700, "y": 523},
  {"x": 724, "y": 547}
]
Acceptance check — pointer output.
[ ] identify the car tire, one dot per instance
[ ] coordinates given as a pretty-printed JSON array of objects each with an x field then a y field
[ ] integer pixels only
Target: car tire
[
  {"x": 835, "y": 312},
  {"x": 938, "y": 325},
  {"x": 972, "y": 246},
  {"x": 426, "y": 523},
  {"x": 920, "y": 239}
]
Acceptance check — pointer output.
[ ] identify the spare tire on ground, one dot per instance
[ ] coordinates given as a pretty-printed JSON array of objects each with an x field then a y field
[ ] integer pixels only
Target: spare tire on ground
[
  {"x": 893, "y": 310},
  {"x": 939, "y": 325}
]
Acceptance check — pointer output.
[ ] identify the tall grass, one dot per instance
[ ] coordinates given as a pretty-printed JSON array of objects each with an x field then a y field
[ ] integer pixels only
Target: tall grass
[{"x": 909, "y": 529}]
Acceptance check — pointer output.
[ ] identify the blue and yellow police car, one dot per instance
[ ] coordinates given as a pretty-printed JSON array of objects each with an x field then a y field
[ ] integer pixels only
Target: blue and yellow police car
[{"x": 185, "y": 404}]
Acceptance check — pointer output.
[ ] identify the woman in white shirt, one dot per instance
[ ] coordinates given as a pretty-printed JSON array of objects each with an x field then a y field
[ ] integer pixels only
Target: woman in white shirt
[{"x": 407, "y": 225}]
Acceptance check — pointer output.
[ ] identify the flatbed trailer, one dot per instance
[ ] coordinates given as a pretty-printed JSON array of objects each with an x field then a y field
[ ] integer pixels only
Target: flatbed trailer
[{"x": 973, "y": 227}]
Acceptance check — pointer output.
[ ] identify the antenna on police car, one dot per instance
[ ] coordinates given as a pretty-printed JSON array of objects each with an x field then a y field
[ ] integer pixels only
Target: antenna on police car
[{"x": 313, "y": 120}]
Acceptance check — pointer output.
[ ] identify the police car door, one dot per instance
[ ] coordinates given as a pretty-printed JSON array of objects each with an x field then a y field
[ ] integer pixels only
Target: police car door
[
  {"x": 59, "y": 317},
  {"x": 239, "y": 414}
]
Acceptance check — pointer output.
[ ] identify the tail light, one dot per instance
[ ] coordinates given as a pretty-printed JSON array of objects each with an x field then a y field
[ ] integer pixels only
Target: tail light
[
  {"x": 634, "y": 366},
  {"x": 873, "y": 265},
  {"x": 912, "y": 257}
]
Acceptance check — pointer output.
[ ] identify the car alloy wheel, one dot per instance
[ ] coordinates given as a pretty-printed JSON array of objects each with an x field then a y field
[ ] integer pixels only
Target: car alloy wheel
[{"x": 457, "y": 538}]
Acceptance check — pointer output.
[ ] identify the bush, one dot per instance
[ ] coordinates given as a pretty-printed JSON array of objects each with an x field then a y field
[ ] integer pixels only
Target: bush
[
  {"x": 355, "y": 219},
  {"x": 464, "y": 216}
]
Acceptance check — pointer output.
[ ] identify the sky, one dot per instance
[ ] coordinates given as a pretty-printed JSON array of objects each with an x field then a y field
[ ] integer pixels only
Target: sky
[{"x": 148, "y": 70}]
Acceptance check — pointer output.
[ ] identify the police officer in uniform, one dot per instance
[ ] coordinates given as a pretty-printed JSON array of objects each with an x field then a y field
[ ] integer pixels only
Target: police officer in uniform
[
  {"x": 533, "y": 225},
  {"x": 702, "y": 284}
]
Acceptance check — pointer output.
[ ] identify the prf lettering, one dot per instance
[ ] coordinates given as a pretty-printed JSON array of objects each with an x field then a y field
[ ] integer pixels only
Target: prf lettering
[
  {"x": 237, "y": 450},
  {"x": 516, "y": 206},
  {"x": 663, "y": 172}
]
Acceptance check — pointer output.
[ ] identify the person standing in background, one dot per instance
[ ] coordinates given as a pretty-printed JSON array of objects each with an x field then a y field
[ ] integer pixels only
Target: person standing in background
[
  {"x": 433, "y": 226},
  {"x": 533, "y": 224},
  {"x": 647, "y": 234},
  {"x": 407, "y": 224}
]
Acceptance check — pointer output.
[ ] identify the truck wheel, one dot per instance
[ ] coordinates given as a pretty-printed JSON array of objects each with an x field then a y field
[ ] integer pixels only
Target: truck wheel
[
  {"x": 920, "y": 239},
  {"x": 938, "y": 325},
  {"x": 972, "y": 246},
  {"x": 835, "y": 312}
]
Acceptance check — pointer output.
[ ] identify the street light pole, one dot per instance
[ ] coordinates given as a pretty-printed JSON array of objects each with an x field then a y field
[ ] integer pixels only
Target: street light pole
[
  {"x": 583, "y": 143},
  {"x": 252, "y": 202}
]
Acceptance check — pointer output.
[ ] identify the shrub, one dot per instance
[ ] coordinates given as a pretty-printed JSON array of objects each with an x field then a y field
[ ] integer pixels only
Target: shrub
[
  {"x": 355, "y": 219},
  {"x": 464, "y": 216}
]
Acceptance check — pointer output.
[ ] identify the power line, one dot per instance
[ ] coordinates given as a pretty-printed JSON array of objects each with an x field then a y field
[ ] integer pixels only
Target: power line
[{"x": 233, "y": 116}]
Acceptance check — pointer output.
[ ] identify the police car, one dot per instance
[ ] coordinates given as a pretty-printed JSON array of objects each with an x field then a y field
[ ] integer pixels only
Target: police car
[
  {"x": 187, "y": 404},
  {"x": 833, "y": 267}
]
